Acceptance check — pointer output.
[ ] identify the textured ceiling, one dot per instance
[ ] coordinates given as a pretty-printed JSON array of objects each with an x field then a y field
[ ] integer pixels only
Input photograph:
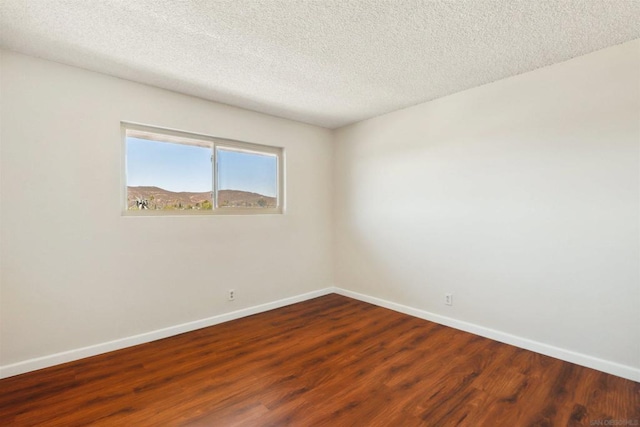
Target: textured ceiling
[{"x": 325, "y": 62}]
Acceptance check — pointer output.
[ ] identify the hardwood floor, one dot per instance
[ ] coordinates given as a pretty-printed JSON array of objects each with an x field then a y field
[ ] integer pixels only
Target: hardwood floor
[{"x": 329, "y": 361}]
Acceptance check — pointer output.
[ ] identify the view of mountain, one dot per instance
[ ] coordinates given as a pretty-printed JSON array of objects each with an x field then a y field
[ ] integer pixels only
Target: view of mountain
[{"x": 160, "y": 199}]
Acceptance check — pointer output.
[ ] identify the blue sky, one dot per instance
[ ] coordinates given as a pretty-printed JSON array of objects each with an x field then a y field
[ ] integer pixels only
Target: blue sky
[
  {"x": 247, "y": 172},
  {"x": 179, "y": 167}
]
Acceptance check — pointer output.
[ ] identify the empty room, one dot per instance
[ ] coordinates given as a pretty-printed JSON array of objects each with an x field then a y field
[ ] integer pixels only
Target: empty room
[{"x": 319, "y": 213}]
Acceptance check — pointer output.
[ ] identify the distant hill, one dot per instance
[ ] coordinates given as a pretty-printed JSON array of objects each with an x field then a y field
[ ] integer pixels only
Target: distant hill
[
  {"x": 161, "y": 199},
  {"x": 237, "y": 198}
]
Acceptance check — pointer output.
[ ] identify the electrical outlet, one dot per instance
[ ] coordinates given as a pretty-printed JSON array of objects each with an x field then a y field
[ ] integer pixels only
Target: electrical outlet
[
  {"x": 448, "y": 299},
  {"x": 231, "y": 295}
]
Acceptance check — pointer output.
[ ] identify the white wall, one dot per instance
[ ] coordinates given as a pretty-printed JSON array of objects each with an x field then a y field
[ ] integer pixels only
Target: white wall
[
  {"x": 520, "y": 197},
  {"x": 75, "y": 272}
]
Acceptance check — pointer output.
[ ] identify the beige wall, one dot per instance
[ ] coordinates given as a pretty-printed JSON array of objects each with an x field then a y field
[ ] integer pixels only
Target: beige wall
[
  {"x": 520, "y": 197},
  {"x": 75, "y": 272}
]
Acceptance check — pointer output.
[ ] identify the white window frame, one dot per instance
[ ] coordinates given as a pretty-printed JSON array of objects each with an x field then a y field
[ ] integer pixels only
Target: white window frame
[{"x": 212, "y": 142}]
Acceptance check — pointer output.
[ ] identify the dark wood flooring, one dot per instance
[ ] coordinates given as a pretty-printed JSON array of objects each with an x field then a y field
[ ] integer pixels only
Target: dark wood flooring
[{"x": 330, "y": 361}]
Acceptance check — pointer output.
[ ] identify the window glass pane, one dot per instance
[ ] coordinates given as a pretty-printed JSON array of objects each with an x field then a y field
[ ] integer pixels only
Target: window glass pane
[
  {"x": 247, "y": 179},
  {"x": 168, "y": 176}
]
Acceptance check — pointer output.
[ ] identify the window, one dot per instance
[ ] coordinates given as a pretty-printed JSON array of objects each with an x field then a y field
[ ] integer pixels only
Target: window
[
  {"x": 171, "y": 172},
  {"x": 246, "y": 178}
]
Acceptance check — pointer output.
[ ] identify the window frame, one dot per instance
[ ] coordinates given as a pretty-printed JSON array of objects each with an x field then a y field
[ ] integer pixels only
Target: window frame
[{"x": 212, "y": 142}]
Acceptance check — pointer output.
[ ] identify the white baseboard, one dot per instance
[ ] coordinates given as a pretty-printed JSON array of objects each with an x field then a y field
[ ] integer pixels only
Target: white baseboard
[
  {"x": 609, "y": 367},
  {"x": 93, "y": 350},
  {"x": 613, "y": 368}
]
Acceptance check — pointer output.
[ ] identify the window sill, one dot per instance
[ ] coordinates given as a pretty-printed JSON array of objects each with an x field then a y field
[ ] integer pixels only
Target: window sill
[{"x": 215, "y": 212}]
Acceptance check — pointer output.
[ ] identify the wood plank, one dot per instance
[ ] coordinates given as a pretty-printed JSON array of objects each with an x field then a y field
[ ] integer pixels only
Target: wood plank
[{"x": 327, "y": 361}]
